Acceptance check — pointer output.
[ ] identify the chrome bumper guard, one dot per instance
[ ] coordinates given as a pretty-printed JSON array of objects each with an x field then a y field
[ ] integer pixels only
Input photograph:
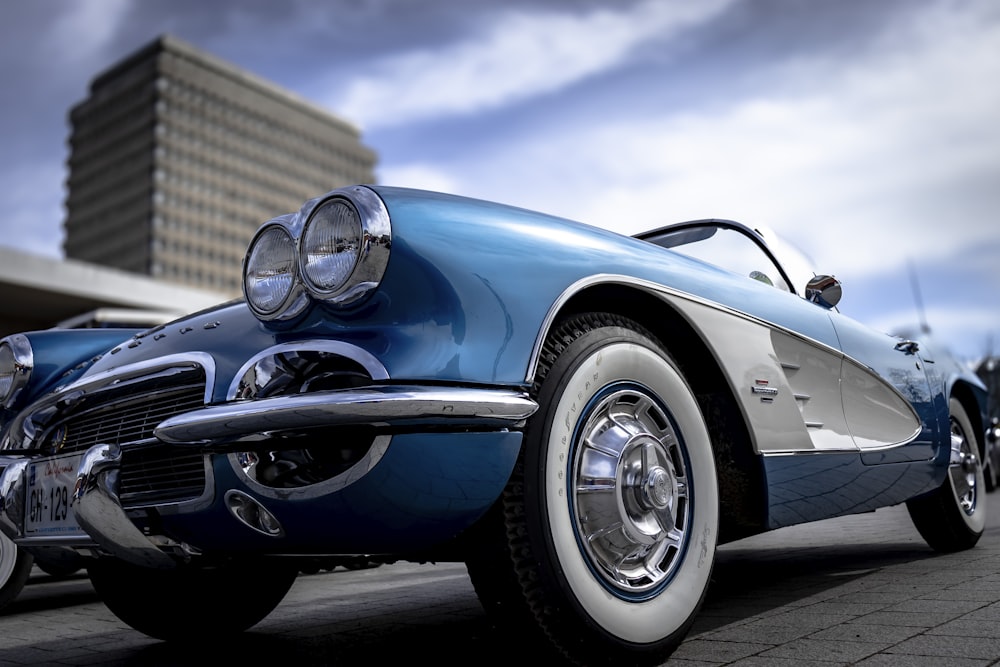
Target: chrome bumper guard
[
  {"x": 95, "y": 505},
  {"x": 385, "y": 405}
]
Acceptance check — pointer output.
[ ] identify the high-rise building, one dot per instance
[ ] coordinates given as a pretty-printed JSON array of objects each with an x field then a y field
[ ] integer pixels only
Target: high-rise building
[{"x": 176, "y": 157}]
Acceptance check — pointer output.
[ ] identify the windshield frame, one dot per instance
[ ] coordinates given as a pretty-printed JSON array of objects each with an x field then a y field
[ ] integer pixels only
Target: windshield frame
[{"x": 697, "y": 230}]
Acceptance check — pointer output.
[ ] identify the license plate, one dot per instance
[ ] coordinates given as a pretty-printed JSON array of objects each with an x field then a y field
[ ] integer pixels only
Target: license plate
[{"x": 49, "y": 495}]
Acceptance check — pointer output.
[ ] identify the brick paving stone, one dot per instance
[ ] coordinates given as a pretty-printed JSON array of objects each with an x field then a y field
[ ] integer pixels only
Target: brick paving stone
[
  {"x": 809, "y": 650},
  {"x": 923, "y": 604},
  {"x": 965, "y": 627},
  {"x": 755, "y": 661},
  {"x": 905, "y": 618},
  {"x": 813, "y": 621},
  {"x": 987, "y": 613},
  {"x": 895, "y": 660},
  {"x": 717, "y": 652},
  {"x": 867, "y": 633},
  {"x": 765, "y": 631},
  {"x": 949, "y": 646}
]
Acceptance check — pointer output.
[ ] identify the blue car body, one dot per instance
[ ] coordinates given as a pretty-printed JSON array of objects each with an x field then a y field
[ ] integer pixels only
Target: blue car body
[{"x": 440, "y": 362}]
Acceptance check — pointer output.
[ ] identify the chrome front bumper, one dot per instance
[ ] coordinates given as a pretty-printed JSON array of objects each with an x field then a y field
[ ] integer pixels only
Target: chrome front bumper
[
  {"x": 98, "y": 510},
  {"x": 379, "y": 405}
]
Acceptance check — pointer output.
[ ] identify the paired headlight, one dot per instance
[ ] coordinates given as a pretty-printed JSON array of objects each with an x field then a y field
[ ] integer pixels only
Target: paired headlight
[
  {"x": 331, "y": 245},
  {"x": 339, "y": 256},
  {"x": 269, "y": 276},
  {"x": 16, "y": 361}
]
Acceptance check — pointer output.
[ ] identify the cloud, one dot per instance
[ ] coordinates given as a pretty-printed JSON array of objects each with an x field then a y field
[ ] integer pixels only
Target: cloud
[
  {"x": 83, "y": 28},
  {"x": 873, "y": 155},
  {"x": 521, "y": 55},
  {"x": 424, "y": 177},
  {"x": 866, "y": 163}
]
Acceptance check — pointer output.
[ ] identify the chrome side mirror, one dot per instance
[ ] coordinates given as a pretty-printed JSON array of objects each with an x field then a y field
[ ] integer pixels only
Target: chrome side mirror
[{"x": 824, "y": 290}]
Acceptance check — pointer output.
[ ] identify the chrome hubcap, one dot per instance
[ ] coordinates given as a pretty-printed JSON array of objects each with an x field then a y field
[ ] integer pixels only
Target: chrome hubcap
[
  {"x": 964, "y": 468},
  {"x": 630, "y": 491}
]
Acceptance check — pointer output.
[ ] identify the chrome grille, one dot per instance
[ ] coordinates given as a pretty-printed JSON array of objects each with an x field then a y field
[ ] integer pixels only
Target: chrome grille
[
  {"x": 159, "y": 474},
  {"x": 131, "y": 420},
  {"x": 125, "y": 414}
]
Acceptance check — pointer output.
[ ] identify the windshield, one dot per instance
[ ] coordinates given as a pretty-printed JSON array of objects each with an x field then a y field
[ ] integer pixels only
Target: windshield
[{"x": 727, "y": 245}]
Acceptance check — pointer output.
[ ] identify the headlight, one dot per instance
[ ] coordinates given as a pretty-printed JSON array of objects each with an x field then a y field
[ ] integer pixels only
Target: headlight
[
  {"x": 331, "y": 245},
  {"x": 270, "y": 284},
  {"x": 16, "y": 361},
  {"x": 336, "y": 249},
  {"x": 345, "y": 247}
]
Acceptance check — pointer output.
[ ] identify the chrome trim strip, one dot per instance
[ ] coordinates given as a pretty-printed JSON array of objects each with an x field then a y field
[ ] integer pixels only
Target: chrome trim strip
[
  {"x": 99, "y": 513},
  {"x": 367, "y": 360},
  {"x": 810, "y": 452},
  {"x": 141, "y": 369},
  {"x": 387, "y": 405}
]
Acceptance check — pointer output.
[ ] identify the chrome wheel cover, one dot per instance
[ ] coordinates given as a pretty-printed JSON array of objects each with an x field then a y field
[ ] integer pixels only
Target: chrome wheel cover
[
  {"x": 964, "y": 469},
  {"x": 630, "y": 491}
]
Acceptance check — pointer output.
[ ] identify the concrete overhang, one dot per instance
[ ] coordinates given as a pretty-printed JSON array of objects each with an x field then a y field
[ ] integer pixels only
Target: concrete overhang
[{"x": 38, "y": 292}]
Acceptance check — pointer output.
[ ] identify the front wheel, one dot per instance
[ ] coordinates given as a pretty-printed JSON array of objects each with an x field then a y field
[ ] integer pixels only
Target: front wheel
[
  {"x": 190, "y": 603},
  {"x": 953, "y": 517},
  {"x": 608, "y": 527}
]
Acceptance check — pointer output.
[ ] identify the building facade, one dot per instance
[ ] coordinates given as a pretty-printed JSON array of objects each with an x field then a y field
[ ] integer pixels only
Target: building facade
[{"x": 176, "y": 157}]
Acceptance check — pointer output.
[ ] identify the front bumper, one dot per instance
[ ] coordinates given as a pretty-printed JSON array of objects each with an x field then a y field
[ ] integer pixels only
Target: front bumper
[
  {"x": 451, "y": 452},
  {"x": 225, "y": 426}
]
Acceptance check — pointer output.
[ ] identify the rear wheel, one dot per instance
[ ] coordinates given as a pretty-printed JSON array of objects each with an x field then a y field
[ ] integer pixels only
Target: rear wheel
[
  {"x": 190, "y": 603},
  {"x": 953, "y": 517},
  {"x": 15, "y": 568},
  {"x": 606, "y": 534}
]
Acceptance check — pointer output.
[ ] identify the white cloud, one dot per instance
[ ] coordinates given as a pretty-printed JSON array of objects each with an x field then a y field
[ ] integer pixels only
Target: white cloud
[
  {"x": 80, "y": 31},
  {"x": 866, "y": 164},
  {"x": 424, "y": 177},
  {"x": 521, "y": 55},
  {"x": 864, "y": 167}
]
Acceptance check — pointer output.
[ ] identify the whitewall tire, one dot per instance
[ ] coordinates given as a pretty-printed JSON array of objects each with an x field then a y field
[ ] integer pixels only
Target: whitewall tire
[
  {"x": 953, "y": 517},
  {"x": 611, "y": 517}
]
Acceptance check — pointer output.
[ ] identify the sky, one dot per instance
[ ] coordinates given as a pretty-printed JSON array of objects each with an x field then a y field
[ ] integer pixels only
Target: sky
[{"x": 865, "y": 133}]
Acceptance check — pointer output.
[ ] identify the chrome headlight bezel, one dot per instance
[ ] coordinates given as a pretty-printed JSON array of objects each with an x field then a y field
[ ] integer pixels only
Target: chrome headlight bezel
[
  {"x": 16, "y": 363},
  {"x": 363, "y": 259},
  {"x": 330, "y": 266}
]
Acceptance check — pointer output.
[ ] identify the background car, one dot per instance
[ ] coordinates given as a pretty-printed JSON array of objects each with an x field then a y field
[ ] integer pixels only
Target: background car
[{"x": 579, "y": 416}]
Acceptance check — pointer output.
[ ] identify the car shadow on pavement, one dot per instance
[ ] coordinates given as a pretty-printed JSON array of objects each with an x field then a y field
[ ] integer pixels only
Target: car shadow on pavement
[
  {"x": 746, "y": 581},
  {"x": 411, "y": 639},
  {"x": 749, "y": 580}
]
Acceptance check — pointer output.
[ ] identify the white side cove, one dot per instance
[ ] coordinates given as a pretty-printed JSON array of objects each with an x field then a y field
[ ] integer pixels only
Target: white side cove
[
  {"x": 878, "y": 415},
  {"x": 799, "y": 395}
]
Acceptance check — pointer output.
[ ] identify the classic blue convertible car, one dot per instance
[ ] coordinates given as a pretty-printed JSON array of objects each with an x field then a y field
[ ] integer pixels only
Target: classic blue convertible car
[{"x": 580, "y": 416}]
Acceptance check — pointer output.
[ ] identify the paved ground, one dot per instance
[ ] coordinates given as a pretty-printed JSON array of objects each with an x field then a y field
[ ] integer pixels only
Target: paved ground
[{"x": 854, "y": 591}]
